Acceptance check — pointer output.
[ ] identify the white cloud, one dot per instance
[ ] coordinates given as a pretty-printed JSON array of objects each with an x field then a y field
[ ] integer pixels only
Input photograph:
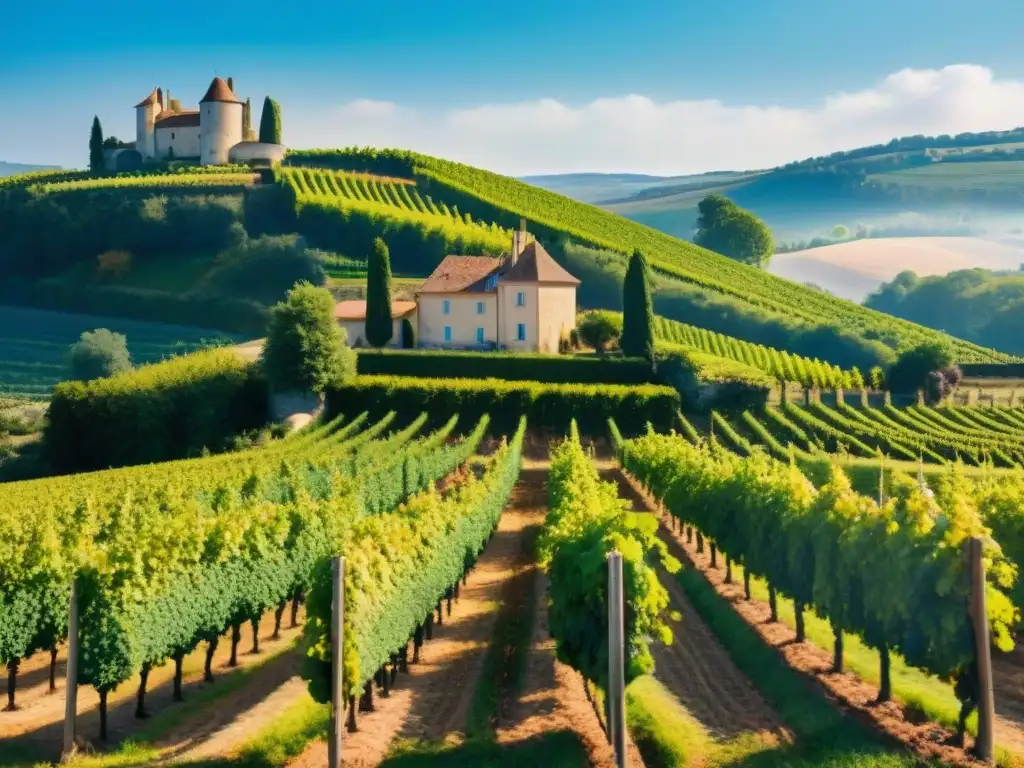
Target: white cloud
[{"x": 635, "y": 134}]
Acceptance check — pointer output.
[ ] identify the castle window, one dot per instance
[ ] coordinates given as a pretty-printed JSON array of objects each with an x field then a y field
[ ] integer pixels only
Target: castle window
[
  {"x": 172, "y": 135},
  {"x": 521, "y": 332},
  {"x": 521, "y": 299}
]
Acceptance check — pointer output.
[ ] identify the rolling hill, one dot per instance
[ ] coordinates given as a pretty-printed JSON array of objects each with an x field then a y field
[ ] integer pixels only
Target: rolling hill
[
  {"x": 855, "y": 268},
  {"x": 979, "y": 173},
  {"x": 10, "y": 169},
  {"x": 426, "y": 207}
]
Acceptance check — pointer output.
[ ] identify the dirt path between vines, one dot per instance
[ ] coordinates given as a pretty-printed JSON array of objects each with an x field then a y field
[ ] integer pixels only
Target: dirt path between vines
[
  {"x": 698, "y": 670},
  {"x": 853, "y": 695},
  {"x": 38, "y": 723},
  {"x": 552, "y": 697},
  {"x": 433, "y": 701}
]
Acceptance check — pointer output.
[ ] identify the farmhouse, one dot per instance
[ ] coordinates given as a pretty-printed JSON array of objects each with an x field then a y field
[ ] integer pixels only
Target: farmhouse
[
  {"x": 351, "y": 315},
  {"x": 213, "y": 134},
  {"x": 522, "y": 301}
]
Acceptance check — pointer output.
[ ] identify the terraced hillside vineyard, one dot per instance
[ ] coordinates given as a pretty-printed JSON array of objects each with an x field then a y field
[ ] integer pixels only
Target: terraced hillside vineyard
[
  {"x": 389, "y": 198},
  {"x": 504, "y": 200},
  {"x": 781, "y": 366}
]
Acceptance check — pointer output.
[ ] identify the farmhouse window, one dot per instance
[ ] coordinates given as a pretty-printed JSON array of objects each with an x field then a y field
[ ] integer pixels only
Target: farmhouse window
[
  {"x": 479, "y": 335},
  {"x": 446, "y": 307},
  {"x": 521, "y": 299},
  {"x": 521, "y": 332},
  {"x": 447, "y": 333},
  {"x": 479, "y": 307}
]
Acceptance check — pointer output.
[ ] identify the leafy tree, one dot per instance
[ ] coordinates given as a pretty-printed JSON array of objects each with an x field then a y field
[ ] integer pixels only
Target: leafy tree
[
  {"x": 637, "y": 309},
  {"x": 264, "y": 268},
  {"x": 270, "y": 122},
  {"x": 379, "y": 326},
  {"x": 96, "y": 164},
  {"x": 98, "y": 354},
  {"x": 856, "y": 378},
  {"x": 599, "y": 329},
  {"x": 305, "y": 348},
  {"x": 911, "y": 369},
  {"x": 727, "y": 229}
]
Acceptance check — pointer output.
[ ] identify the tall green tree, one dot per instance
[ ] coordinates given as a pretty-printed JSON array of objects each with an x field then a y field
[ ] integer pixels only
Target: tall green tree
[
  {"x": 725, "y": 228},
  {"x": 637, "y": 309},
  {"x": 306, "y": 349},
  {"x": 270, "y": 122},
  {"x": 96, "y": 164},
  {"x": 379, "y": 328},
  {"x": 246, "y": 119}
]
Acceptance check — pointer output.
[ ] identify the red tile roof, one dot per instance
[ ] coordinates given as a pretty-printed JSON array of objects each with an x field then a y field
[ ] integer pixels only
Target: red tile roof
[
  {"x": 219, "y": 91},
  {"x": 461, "y": 273},
  {"x": 149, "y": 100},
  {"x": 535, "y": 265},
  {"x": 187, "y": 119},
  {"x": 356, "y": 309}
]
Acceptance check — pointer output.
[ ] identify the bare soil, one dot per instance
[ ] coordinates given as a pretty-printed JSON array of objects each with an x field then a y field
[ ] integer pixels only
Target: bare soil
[
  {"x": 552, "y": 697},
  {"x": 38, "y": 722},
  {"x": 854, "y": 696},
  {"x": 698, "y": 670},
  {"x": 433, "y": 701}
]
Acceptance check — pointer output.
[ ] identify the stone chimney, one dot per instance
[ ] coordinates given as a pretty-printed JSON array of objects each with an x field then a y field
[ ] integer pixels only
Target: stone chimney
[
  {"x": 518, "y": 242},
  {"x": 160, "y": 98}
]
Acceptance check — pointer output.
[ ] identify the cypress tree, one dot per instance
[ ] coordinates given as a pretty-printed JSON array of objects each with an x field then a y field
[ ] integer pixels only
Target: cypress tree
[
  {"x": 270, "y": 122},
  {"x": 96, "y": 164},
  {"x": 637, "y": 310},
  {"x": 379, "y": 328},
  {"x": 246, "y": 119}
]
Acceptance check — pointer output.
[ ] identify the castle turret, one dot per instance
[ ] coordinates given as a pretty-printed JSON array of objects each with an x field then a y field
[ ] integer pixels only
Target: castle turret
[
  {"x": 146, "y": 112},
  {"x": 220, "y": 120}
]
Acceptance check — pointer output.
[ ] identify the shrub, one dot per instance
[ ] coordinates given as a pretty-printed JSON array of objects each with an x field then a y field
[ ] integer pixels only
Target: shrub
[
  {"x": 154, "y": 413},
  {"x": 305, "y": 349},
  {"x": 706, "y": 381},
  {"x": 599, "y": 328},
  {"x": 99, "y": 353},
  {"x": 911, "y": 370},
  {"x": 546, "y": 406},
  {"x": 549, "y": 369}
]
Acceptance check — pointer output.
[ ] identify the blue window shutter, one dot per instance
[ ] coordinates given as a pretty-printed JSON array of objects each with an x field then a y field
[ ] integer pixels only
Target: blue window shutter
[{"x": 447, "y": 333}]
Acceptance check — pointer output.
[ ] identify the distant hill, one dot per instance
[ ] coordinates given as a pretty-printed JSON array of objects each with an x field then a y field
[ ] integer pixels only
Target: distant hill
[
  {"x": 854, "y": 269},
  {"x": 9, "y": 169},
  {"x": 981, "y": 174}
]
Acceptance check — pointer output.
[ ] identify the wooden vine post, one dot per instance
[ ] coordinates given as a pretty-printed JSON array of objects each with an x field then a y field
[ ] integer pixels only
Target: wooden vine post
[
  {"x": 985, "y": 746},
  {"x": 71, "y": 676},
  {"x": 337, "y": 662},
  {"x": 616, "y": 660}
]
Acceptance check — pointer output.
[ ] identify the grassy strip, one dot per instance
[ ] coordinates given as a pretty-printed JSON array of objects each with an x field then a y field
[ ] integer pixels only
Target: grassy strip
[
  {"x": 824, "y": 736},
  {"x": 140, "y": 749},
  {"x": 554, "y": 748},
  {"x": 664, "y": 732}
]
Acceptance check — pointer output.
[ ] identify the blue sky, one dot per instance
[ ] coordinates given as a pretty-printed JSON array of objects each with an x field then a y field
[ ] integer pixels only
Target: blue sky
[{"x": 447, "y": 70}]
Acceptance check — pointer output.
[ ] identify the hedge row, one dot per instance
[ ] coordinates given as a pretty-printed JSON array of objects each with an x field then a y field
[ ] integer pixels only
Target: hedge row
[
  {"x": 545, "y": 405},
  {"x": 993, "y": 370},
  {"x": 551, "y": 369},
  {"x": 158, "y": 412}
]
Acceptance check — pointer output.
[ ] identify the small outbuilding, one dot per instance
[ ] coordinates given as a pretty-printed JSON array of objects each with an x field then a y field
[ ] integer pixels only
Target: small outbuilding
[
  {"x": 257, "y": 153},
  {"x": 351, "y": 315}
]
